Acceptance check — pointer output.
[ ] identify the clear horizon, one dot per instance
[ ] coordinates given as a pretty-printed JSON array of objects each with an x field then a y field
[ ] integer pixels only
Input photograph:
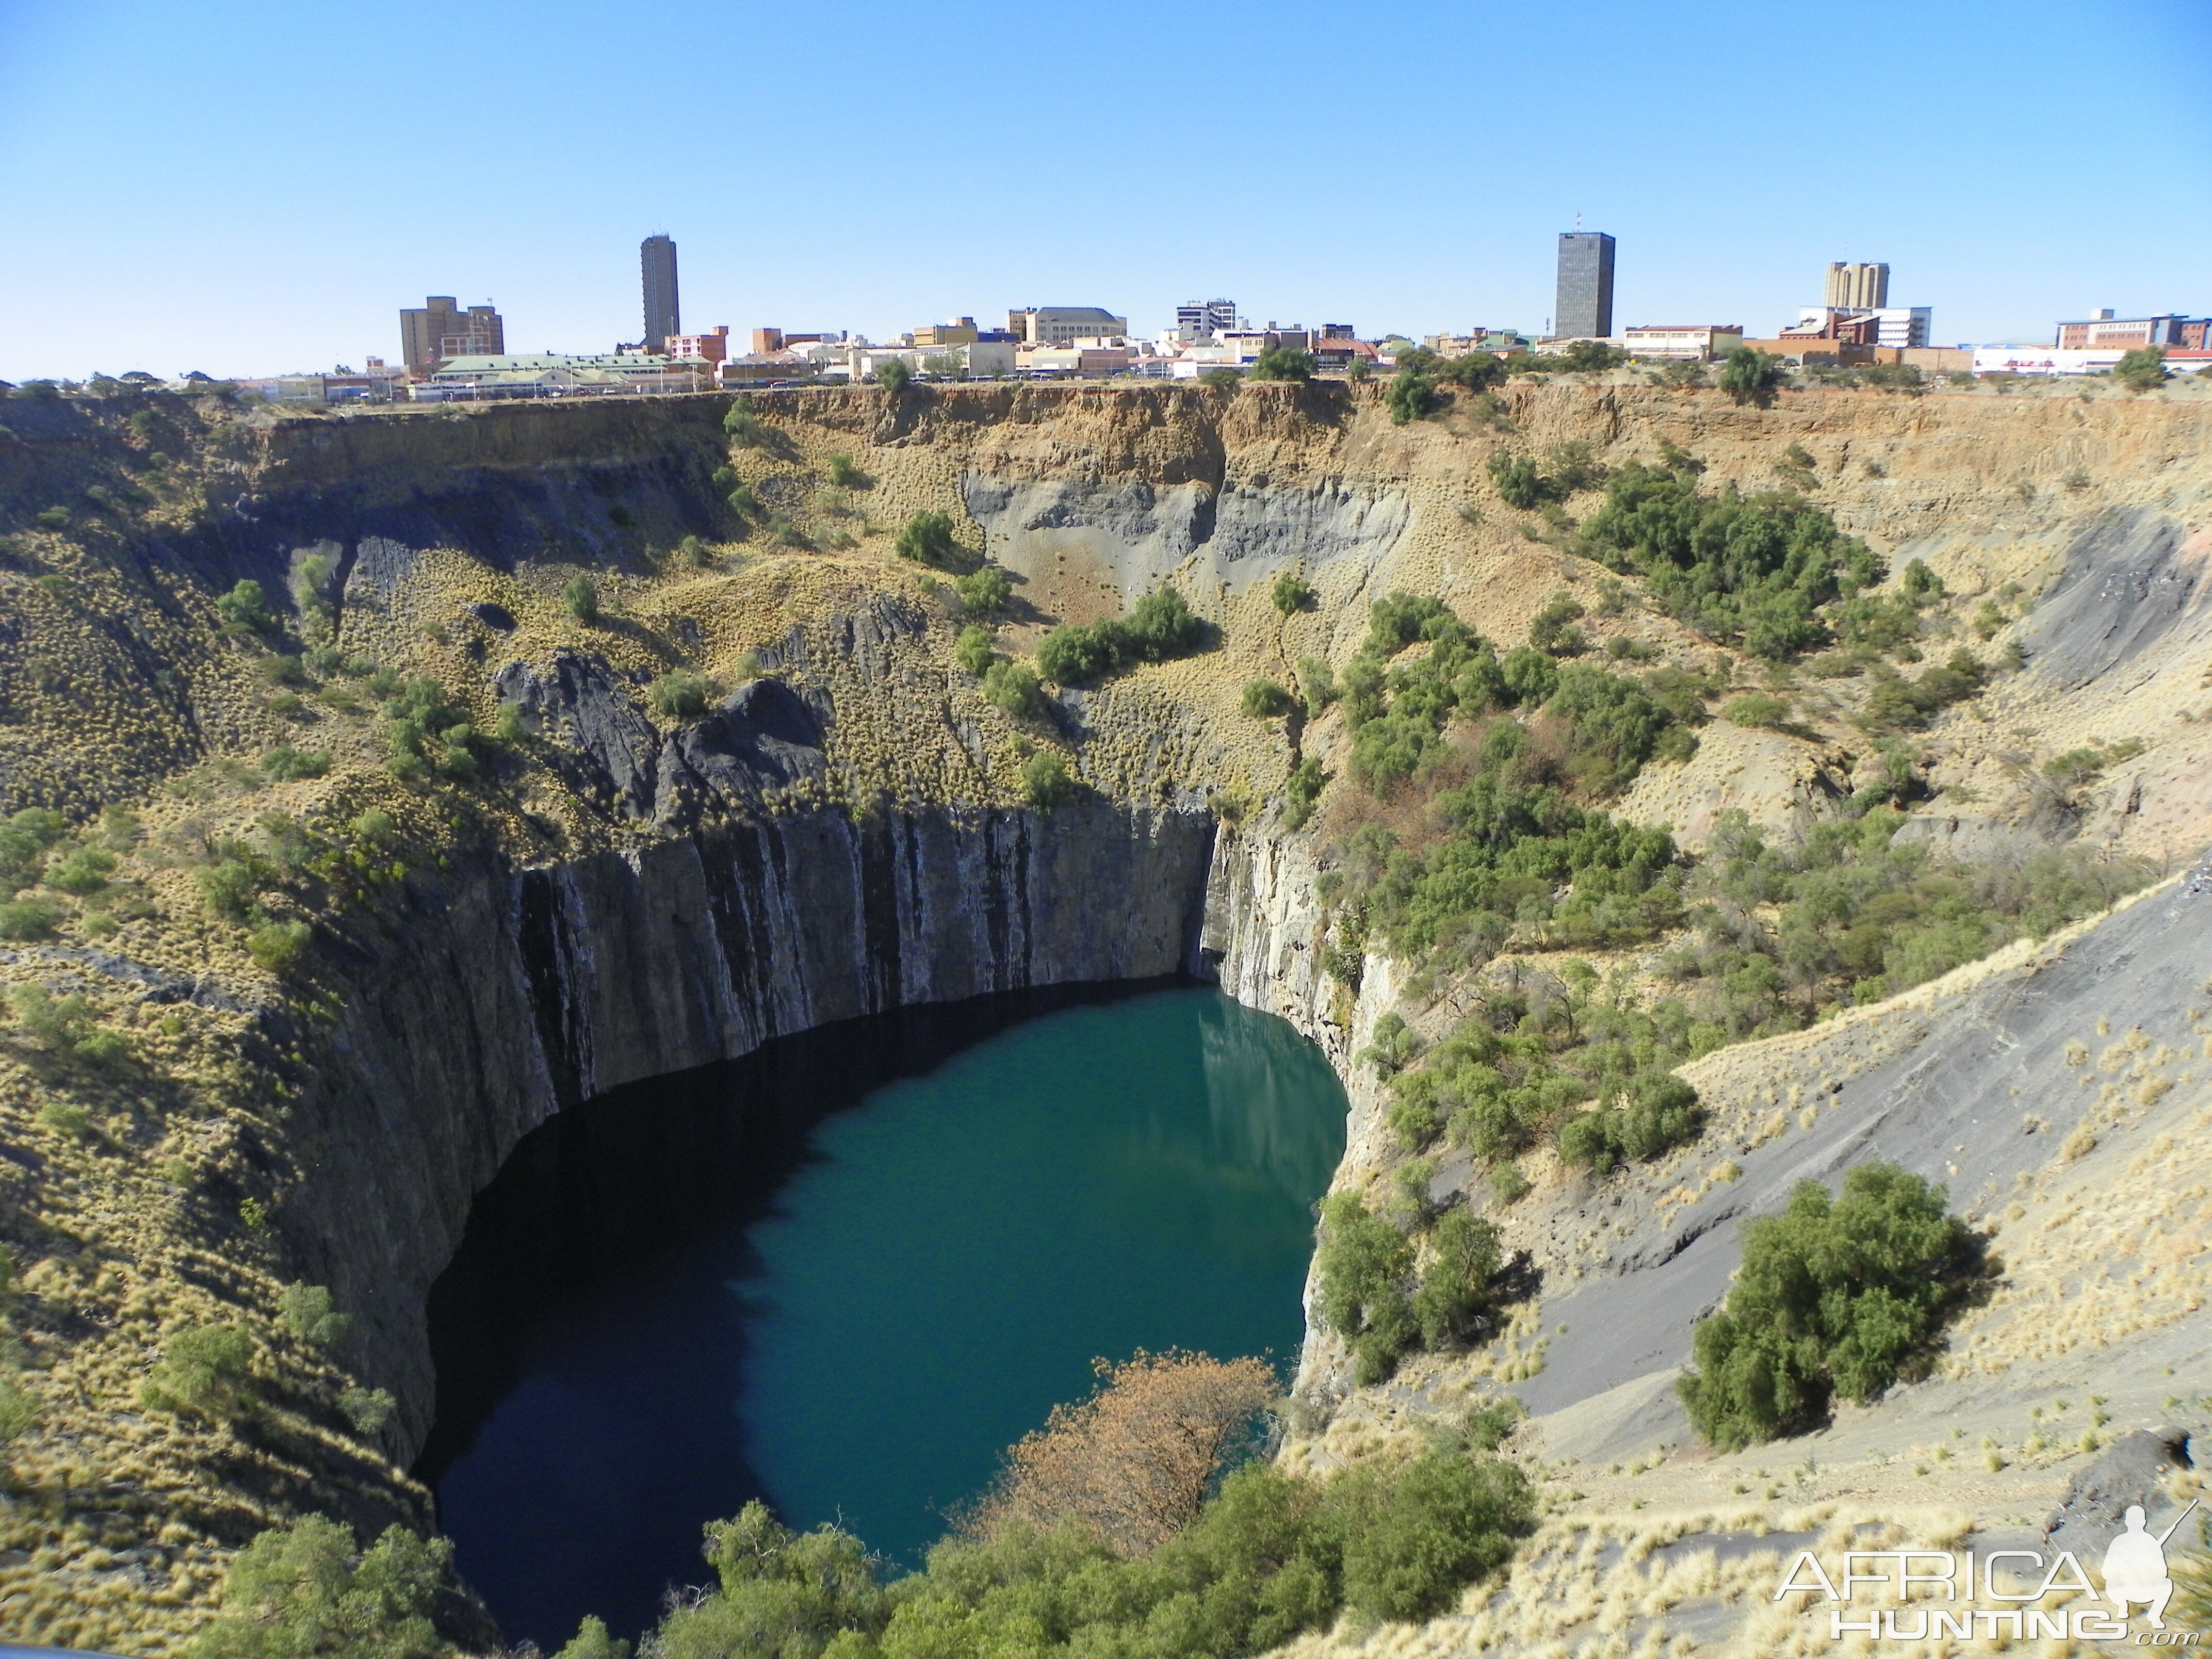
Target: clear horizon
[{"x": 216, "y": 185}]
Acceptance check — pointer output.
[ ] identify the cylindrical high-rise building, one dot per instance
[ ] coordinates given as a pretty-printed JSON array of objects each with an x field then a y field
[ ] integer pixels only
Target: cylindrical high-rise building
[{"x": 657, "y": 259}]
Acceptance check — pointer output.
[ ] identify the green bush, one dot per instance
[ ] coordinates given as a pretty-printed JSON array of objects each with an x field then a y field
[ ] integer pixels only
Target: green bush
[
  {"x": 1265, "y": 700},
  {"x": 1161, "y": 626},
  {"x": 247, "y": 606},
  {"x": 82, "y": 872},
  {"x": 680, "y": 694},
  {"x": 1411, "y": 395},
  {"x": 1318, "y": 685},
  {"x": 1379, "y": 1288},
  {"x": 894, "y": 376},
  {"x": 743, "y": 426},
  {"x": 592, "y": 1641},
  {"x": 2142, "y": 369},
  {"x": 1656, "y": 1112},
  {"x": 972, "y": 651},
  {"x": 306, "y": 1311},
  {"x": 1516, "y": 480},
  {"x": 845, "y": 474},
  {"x": 927, "y": 539},
  {"x": 1749, "y": 375},
  {"x": 1013, "y": 687},
  {"x": 24, "y": 839},
  {"x": 19, "y": 1413},
  {"x": 1754, "y": 569},
  {"x": 204, "y": 1369},
  {"x": 367, "y": 1409},
  {"x": 65, "y": 1117},
  {"x": 299, "y": 1590},
  {"x": 1222, "y": 379},
  {"x": 1755, "y": 709},
  {"x": 581, "y": 594},
  {"x": 984, "y": 593},
  {"x": 1301, "y": 790},
  {"x": 289, "y": 765},
  {"x": 1269, "y": 1556},
  {"x": 277, "y": 945},
  {"x": 1282, "y": 363},
  {"x": 1291, "y": 594},
  {"x": 1046, "y": 781},
  {"x": 1834, "y": 1296},
  {"x": 1551, "y": 630}
]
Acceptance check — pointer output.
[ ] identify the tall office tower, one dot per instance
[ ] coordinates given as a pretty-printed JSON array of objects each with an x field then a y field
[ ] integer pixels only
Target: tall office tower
[
  {"x": 440, "y": 329},
  {"x": 1857, "y": 288},
  {"x": 657, "y": 257},
  {"x": 1585, "y": 301},
  {"x": 1201, "y": 319}
]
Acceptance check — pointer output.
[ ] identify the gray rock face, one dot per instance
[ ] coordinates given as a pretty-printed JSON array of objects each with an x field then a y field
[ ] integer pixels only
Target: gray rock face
[
  {"x": 509, "y": 994},
  {"x": 2132, "y": 1470},
  {"x": 1243, "y": 533},
  {"x": 2129, "y": 586},
  {"x": 611, "y": 750},
  {"x": 764, "y": 738}
]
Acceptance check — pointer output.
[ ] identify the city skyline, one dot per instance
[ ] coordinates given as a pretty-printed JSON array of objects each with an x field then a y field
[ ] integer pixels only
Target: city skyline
[{"x": 241, "y": 253}]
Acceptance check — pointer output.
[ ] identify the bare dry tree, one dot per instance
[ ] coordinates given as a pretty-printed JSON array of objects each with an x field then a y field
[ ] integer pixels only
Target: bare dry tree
[{"x": 1136, "y": 1460}]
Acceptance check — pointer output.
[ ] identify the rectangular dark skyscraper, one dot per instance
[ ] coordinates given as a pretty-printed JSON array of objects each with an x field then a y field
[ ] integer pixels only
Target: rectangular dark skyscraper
[
  {"x": 656, "y": 256},
  {"x": 1585, "y": 303}
]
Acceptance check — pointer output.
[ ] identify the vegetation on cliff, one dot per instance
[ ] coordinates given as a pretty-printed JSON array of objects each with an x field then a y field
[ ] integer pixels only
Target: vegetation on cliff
[{"x": 1835, "y": 1297}]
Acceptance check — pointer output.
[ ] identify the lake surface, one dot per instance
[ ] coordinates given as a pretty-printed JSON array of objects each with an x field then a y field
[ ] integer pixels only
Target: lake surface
[{"x": 918, "y": 1236}]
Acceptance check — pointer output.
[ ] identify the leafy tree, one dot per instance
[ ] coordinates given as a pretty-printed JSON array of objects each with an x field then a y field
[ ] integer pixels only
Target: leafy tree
[
  {"x": 973, "y": 650},
  {"x": 2142, "y": 369},
  {"x": 82, "y": 872},
  {"x": 1518, "y": 482},
  {"x": 1046, "y": 782},
  {"x": 1414, "y": 1537},
  {"x": 781, "y": 1592},
  {"x": 367, "y": 1409},
  {"x": 928, "y": 539},
  {"x": 743, "y": 426},
  {"x": 1552, "y": 631},
  {"x": 680, "y": 694},
  {"x": 1161, "y": 626},
  {"x": 1835, "y": 1296},
  {"x": 1589, "y": 357},
  {"x": 582, "y": 595},
  {"x": 297, "y": 1593},
  {"x": 894, "y": 376},
  {"x": 1364, "y": 1267},
  {"x": 984, "y": 593},
  {"x": 1657, "y": 1111},
  {"x": 1283, "y": 363},
  {"x": 1319, "y": 684},
  {"x": 592, "y": 1641},
  {"x": 1291, "y": 594},
  {"x": 1755, "y": 709},
  {"x": 845, "y": 473},
  {"x": 1013, "y": 687},
  {"x": 277, "y": 945},
  {"x": 289, "y": 765},
  {"x": 19, "y": 1413},
  {"x": 306, "y": 1311},
  {"x": 1265, "y": 700},
  {"x": 1301, "y": 790},
  {"x": 246, "y": 607},
  {"x": 1749, "y": 375},
  {"x": 1222, "y": 379},
  {"x": 1478, "y": 370},
  {"x": 1411, "y": 395}
]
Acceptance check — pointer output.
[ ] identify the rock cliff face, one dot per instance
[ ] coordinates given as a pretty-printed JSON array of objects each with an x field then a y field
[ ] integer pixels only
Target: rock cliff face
[{"x": 516, "y": 993}]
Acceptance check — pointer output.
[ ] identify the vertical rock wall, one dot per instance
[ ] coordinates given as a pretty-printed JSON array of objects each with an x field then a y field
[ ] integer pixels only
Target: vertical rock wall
[{"x": 524, "y": 992}]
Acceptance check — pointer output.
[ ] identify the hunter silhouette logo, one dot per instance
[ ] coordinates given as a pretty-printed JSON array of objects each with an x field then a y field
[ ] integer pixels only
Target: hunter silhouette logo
[{"x": 2135, "y": 1567}]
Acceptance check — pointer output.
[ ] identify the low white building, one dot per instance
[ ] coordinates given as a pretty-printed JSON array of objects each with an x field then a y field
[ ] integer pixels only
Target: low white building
[
  {"x": 2045, "y": 360},
  {"x": 1697, "y": 343}
]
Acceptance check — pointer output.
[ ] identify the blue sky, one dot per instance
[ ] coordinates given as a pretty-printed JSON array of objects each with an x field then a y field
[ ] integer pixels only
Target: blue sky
[{"x": 257, "y": 186}]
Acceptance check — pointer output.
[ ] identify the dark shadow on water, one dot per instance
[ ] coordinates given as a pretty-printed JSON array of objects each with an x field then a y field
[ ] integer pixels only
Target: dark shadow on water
[{"x": 548, "y": 1279}]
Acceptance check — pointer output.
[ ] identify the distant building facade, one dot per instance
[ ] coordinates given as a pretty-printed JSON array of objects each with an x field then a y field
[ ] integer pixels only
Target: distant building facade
[
  {"x": 656, "y": 257},
  {"x": 1857, "y": 287},
  {"x": 1697, "y": 343},
  {"x": 2104, "y": 331},
  {"x": 712, "y": 347},
  {"x": 439, "y": 328},
  {"x": 1898, "y": 327},
  {"x": 1201, "y": 319},
  {"x": 1584, "y": 303},
  {"x": 1057, "y": 325},
  {"x": 552, "y": 375}
]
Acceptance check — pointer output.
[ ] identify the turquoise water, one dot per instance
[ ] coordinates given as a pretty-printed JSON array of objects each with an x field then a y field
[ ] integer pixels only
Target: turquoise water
[{"x": 938, "y": 1272}]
